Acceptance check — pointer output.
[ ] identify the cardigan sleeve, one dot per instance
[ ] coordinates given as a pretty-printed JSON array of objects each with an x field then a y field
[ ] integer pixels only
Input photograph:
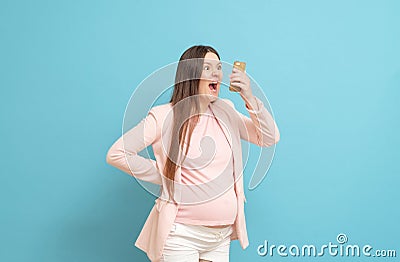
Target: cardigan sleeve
[
  {"x": 123, "y": 154},
  {"x": 260, "y": 128}
]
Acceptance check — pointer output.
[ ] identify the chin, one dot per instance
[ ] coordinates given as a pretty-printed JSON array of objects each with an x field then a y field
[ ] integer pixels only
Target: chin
[{"x": 213, "y": 98}]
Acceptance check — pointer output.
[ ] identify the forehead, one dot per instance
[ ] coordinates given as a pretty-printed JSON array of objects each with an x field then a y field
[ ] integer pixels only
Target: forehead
[{"x": 211, "y": 58}]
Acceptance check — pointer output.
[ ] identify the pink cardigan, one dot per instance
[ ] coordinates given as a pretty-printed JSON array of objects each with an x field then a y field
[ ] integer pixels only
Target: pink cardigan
[{"x": 155, "y": 130}]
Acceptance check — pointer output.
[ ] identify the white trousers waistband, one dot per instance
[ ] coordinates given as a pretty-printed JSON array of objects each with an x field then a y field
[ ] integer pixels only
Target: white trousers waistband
[{"x": 187, "y": 243}]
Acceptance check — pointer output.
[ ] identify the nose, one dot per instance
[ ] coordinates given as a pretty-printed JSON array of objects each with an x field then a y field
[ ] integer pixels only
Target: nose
[{"x": 215, "y": 73}]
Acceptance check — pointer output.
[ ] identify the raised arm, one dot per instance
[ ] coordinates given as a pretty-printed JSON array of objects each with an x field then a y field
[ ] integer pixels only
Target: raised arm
[
  {"x": 260, "y": 128},
  {"x": 123, "y": 154}
]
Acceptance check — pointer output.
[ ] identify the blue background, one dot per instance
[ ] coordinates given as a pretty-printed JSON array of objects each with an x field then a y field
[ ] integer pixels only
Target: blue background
[{"x": 330, "y": 70}]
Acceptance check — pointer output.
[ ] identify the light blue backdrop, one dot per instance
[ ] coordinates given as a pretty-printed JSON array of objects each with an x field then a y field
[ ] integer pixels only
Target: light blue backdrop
[{"x": 330, "y": 70}]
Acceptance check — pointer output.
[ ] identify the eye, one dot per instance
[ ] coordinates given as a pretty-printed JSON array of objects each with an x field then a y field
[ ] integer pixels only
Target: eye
[
  {"x": 219, "y": 67},
  {"x": 206, "y": 67}
]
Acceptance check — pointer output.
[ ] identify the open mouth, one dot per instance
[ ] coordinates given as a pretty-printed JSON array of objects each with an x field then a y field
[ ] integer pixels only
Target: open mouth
[{"x": 213, "y": 86}]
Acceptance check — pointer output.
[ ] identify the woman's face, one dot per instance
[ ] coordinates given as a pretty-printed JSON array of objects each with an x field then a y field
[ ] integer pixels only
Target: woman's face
[{"x": 211, "y": 77}]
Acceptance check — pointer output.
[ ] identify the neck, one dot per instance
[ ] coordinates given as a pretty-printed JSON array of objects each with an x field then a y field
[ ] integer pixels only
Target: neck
[{"x": 204, "y": 106}]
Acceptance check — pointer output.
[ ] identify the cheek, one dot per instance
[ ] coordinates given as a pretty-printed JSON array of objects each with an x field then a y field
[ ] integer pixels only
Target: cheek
[{"x": 203, "y": 87}]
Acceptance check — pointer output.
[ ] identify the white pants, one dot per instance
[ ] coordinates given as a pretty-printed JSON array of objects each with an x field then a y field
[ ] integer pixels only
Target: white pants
[{"x": 189, "y": 243}]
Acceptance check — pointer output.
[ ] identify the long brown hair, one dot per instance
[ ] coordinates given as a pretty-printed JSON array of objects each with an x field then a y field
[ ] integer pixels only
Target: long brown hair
[{"x": 185, "y": 103}]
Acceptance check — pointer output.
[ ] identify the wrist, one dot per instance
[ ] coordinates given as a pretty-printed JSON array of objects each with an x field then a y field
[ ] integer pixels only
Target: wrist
[{"x": 251, "y": 102}]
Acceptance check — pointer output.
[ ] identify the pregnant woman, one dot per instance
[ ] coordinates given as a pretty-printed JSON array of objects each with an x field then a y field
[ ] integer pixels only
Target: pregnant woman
[{"x": 198, "y": 161}]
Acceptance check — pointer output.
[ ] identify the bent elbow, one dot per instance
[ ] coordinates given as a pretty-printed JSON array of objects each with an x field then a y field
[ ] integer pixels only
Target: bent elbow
[
  {"x": 109, "y": 157},
  {"x": 277, "y": 135},
  {"x": 270, "y": 139},
  {"x": 113, "y": 155}
]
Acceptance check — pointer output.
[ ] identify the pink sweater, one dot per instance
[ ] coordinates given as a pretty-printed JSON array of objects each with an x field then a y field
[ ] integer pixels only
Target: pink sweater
[{"x": 207, "y": 176}]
